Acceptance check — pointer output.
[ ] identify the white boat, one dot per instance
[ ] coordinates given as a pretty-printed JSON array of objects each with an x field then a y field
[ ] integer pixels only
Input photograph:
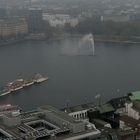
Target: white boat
[
  {"x": 20, "y": 83},
  {"x": 17, "y": 88},
  {"x": 16, "y": 85},
  {"x": 28, "y": 83},
  {"x": 39, "y": 78}
]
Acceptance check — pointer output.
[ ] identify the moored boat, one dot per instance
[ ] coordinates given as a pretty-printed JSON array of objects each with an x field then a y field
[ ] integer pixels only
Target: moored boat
[
  {"x": 38, "y": 78},
  {"x": 16, "y": 85},
  {"x": 8, "y": 108},
  {"x": 21, "y": 83},
  {"x": 28, "y": 82}
]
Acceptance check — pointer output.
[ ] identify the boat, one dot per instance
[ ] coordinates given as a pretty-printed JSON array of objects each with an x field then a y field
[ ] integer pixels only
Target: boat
[
  {"x": 28, "y": 82},
  {"x": 38, "y": 78},
  {"x": 16, "y": 85},
  {"x": 8, "y": 108},
  {"x": 5, "y": 91},
  {"x": 21, "y": 83}
]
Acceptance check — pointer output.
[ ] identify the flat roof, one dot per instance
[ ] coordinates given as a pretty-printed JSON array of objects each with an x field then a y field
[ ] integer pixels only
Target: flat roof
[
  {"x": 27, "y": 118},
  {"x": 79, "y": 107},
  {"x": 60, "y": 114},
  {"x": 79, "y": 135},
  {"x": 101, "y": 122},
  {"x": 129, "y": 121},
  {"x": 104, "y": 108}
]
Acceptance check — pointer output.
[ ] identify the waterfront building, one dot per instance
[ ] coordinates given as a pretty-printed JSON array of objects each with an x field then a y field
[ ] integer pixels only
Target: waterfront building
[
  {"x": 105, "y": 114},
  {"x": 13, "y": 28},
  {"x": 115, "y": 18},
  {"x": 2, "y": 13},
  {"x": 90, "y": 111},
  {"x": 35, "y": 20},
  {"x": 60, "y": 20},
  {"x": 45, "y": 122},
  {"x": 79, "y": 111},
  {"x": 11, "y": 4}
]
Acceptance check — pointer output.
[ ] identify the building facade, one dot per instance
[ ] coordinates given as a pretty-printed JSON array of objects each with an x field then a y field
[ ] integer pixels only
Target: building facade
[
  {"x": 133, "y": 109},
  {"x": 46, "y": 122},
  {"x": 13, "y": 28},
  {"x": 35, "y": 20}
]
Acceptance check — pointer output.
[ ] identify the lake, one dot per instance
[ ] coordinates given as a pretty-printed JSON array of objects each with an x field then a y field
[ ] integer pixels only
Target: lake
[{"x": 74, "y": 79}]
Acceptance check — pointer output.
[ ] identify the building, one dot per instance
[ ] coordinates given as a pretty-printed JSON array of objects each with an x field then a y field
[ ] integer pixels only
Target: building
[
  {"x": 9, "y": 4},
  {"x": 13, "y": 28},
  {"x": 105, "y": 111},
  {"x": 130, "y": 128},
  {"x": 79, "y": 111},
  {"x": 133, "y": 109},
  {"x": 2, "y": 13},
  {"x": 45, "y": 122},
  {"x": 60, "y": 20},
  {"x": 119, "y": 103},
  {"x": 35, "y": 20},
  {"x": 100, "y": 123},
  {"x": 115, "y": 18},
  {"x": 104, "y": 114},
  {"x": 133, "y": 106}
]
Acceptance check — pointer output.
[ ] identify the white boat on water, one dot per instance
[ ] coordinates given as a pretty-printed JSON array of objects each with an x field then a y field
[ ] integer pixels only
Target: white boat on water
[
  {"x": 39, "y": 78},
  {"x": 8, "y": 108},
  {"x": 20, "y": 83},
  {"x": 16, "y": 85},
  {"x": 28, "y": 82}
]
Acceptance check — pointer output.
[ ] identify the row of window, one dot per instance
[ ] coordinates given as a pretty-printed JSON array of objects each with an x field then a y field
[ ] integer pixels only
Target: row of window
[{"x": 80, "y": 115}]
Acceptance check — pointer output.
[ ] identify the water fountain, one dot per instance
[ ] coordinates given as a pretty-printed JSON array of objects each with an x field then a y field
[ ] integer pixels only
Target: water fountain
[
  {"x": 82, "y": 46},
  {"x": 90, "y": 39}
]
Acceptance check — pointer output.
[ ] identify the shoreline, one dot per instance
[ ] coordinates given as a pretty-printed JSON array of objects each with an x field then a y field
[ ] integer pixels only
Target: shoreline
[
  {"x": 11, "y": 42},
  {"x": 117, "y": 41},
  {"x": 98, "y": 39}
]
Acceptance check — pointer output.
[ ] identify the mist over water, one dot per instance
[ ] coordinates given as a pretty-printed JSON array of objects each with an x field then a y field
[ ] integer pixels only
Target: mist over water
[{"x": 85, "y": 46}]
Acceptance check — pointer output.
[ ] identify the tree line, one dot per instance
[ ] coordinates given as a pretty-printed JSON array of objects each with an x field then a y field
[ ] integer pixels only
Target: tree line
[{"x": 106, "y": 28}]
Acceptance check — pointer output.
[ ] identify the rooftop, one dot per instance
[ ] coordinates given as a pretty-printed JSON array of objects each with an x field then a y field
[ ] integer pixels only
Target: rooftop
[
  {"x": 105, "y": 108},
  {"x": 37, "y": 124},
  {"x": 60, "y": 114},
  {"x": 136, "y": 105},
  {"x": 135, "y": 95},
  {"x": 119, "y": 102},
  {"x": 129, "y": 121},
  {"x": 79, "y": 107}
]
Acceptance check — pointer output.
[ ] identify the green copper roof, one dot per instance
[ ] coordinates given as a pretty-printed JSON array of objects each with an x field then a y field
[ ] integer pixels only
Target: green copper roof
[
  {"x": 106, "y": 108},
  {"x": 135, "y": 95}
]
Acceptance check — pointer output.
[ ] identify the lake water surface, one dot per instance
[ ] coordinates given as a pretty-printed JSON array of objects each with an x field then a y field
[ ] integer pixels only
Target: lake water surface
[{"x": 113, "y": 71}]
